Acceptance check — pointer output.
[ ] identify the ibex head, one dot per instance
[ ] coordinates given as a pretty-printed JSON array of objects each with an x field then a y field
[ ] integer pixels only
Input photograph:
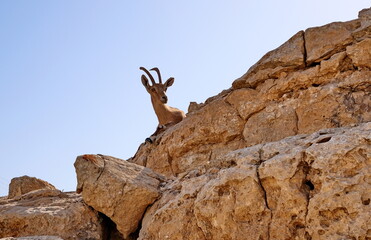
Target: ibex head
[{"x": 157, "y": 90}]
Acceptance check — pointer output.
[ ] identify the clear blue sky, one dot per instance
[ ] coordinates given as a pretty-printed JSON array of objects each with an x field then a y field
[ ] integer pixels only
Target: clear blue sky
[{"x": 69, "y": 77}]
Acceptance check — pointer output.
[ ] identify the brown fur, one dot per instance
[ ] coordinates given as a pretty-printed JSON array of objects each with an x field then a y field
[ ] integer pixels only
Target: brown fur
[{"x": 166, "y": 115}]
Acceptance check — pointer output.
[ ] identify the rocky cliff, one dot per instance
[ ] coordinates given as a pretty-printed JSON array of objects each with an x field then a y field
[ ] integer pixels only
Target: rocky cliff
[{"x": 285, "y": 153}]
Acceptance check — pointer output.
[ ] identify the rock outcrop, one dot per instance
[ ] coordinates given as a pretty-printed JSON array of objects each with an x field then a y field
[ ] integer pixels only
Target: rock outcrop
[
  {"x": 303, "y": 187},
  {"x": 119, "y": 189},
  {"x": 285, "y": 153},
  {"x": 49, "y": 212},
  {"x": 318, "y": 79},
  {"x": 21, "y": 185}
]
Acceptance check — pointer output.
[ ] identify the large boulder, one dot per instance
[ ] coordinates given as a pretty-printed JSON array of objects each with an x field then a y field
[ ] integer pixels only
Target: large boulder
[{"x": 120, "y": 190}]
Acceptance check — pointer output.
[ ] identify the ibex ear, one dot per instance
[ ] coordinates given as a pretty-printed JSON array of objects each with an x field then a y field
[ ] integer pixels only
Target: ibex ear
[
  {"x": 145, "y": 82},
  {"x": 169, "y": 82}
]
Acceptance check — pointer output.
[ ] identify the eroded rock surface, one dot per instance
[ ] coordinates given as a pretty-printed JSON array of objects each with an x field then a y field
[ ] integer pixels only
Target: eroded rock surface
[
  {"x": 21, "y": 185},
  {"x": 285, "y": 153},
  {"x": 119, "y": 189},
  {"x": 303, "y": 187},
  {"x": 49, "y": 212},
  {"x": 320, "y": 78}
]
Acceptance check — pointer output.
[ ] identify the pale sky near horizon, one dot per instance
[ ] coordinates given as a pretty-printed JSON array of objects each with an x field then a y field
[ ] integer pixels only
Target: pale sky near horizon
[{"x": 70, "y": 79}]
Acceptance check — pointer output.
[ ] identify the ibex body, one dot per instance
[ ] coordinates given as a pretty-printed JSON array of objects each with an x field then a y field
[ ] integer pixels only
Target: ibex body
[{"x": 166, "y": 115}]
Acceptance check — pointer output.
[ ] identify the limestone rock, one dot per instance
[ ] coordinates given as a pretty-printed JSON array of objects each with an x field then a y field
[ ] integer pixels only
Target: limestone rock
[
  {"x": 322, "y": 42},
  {"x": 119, "y": 189},
  {"x": 320, "y": 78},
  {"x": 21, "y": 185},
  {"x": 172, "y": 216},
  {"x": 199, "y": 133},
  {"x": 209, "y": 206},
  {"x": 275, "y": 121},
  {"x": 232, "y": 206},
  {"x": 246, "y": 101},
  {"x": 285, "y": 153},
  {"x": 339, "y": 202},
  {"x": 49, "y": 212},
  {"x": 360, "y": 53},
  {"x": 302, "y": 187},
  {"x": 259, "y": 181},
  {"x": 289, "y": 56},
  {"x": 298, "y": 189}
]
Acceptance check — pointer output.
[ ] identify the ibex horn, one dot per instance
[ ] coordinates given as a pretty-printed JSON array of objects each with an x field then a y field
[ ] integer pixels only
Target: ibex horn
[
  {"x": 158, "y": 73},
  {"x": 149, "y": 74}
]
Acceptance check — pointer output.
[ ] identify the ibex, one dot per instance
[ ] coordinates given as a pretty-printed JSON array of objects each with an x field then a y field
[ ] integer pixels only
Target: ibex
[{"x": 167, "y": 116}]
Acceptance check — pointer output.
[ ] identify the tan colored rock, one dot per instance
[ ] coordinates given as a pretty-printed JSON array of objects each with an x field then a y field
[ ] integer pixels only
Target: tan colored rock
[
  {"x": 172, "y": 216},
  {"x": 295, "y": 188},
  {"x": 296, "y": 191},
  {"x": 119, "y": 189},
  {"x": 275, "y": 122},
  {"x": 360, "y": 53},
  {"x": 283, "y": 154},
  {"x": 196, "y": 133},
  {"x": 49, "y": 212},
  {"x": 319, "y": 110},
  {"x": 280, "y": 96},
  {"x": 21, "y": 185},
  {"x": 274, "y": 100},
  {"x": 333, "y": 64},
  {"x": 289, "y": 56},
  {"x": 232, "y": 206},
  {"x": 205, "y": 127},
  {"x": 292, "y": 84},
  {"x": 246, "y": 101},
  {"x": 317, "y": 101},
  {"x": 283, "y": 177},
  {"x": 340, "y": 172},
  {"x": 322, "y": 42}
]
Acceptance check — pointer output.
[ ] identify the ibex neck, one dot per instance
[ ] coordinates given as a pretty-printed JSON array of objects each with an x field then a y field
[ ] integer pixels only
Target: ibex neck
[{"x": 162, "y": 111}]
